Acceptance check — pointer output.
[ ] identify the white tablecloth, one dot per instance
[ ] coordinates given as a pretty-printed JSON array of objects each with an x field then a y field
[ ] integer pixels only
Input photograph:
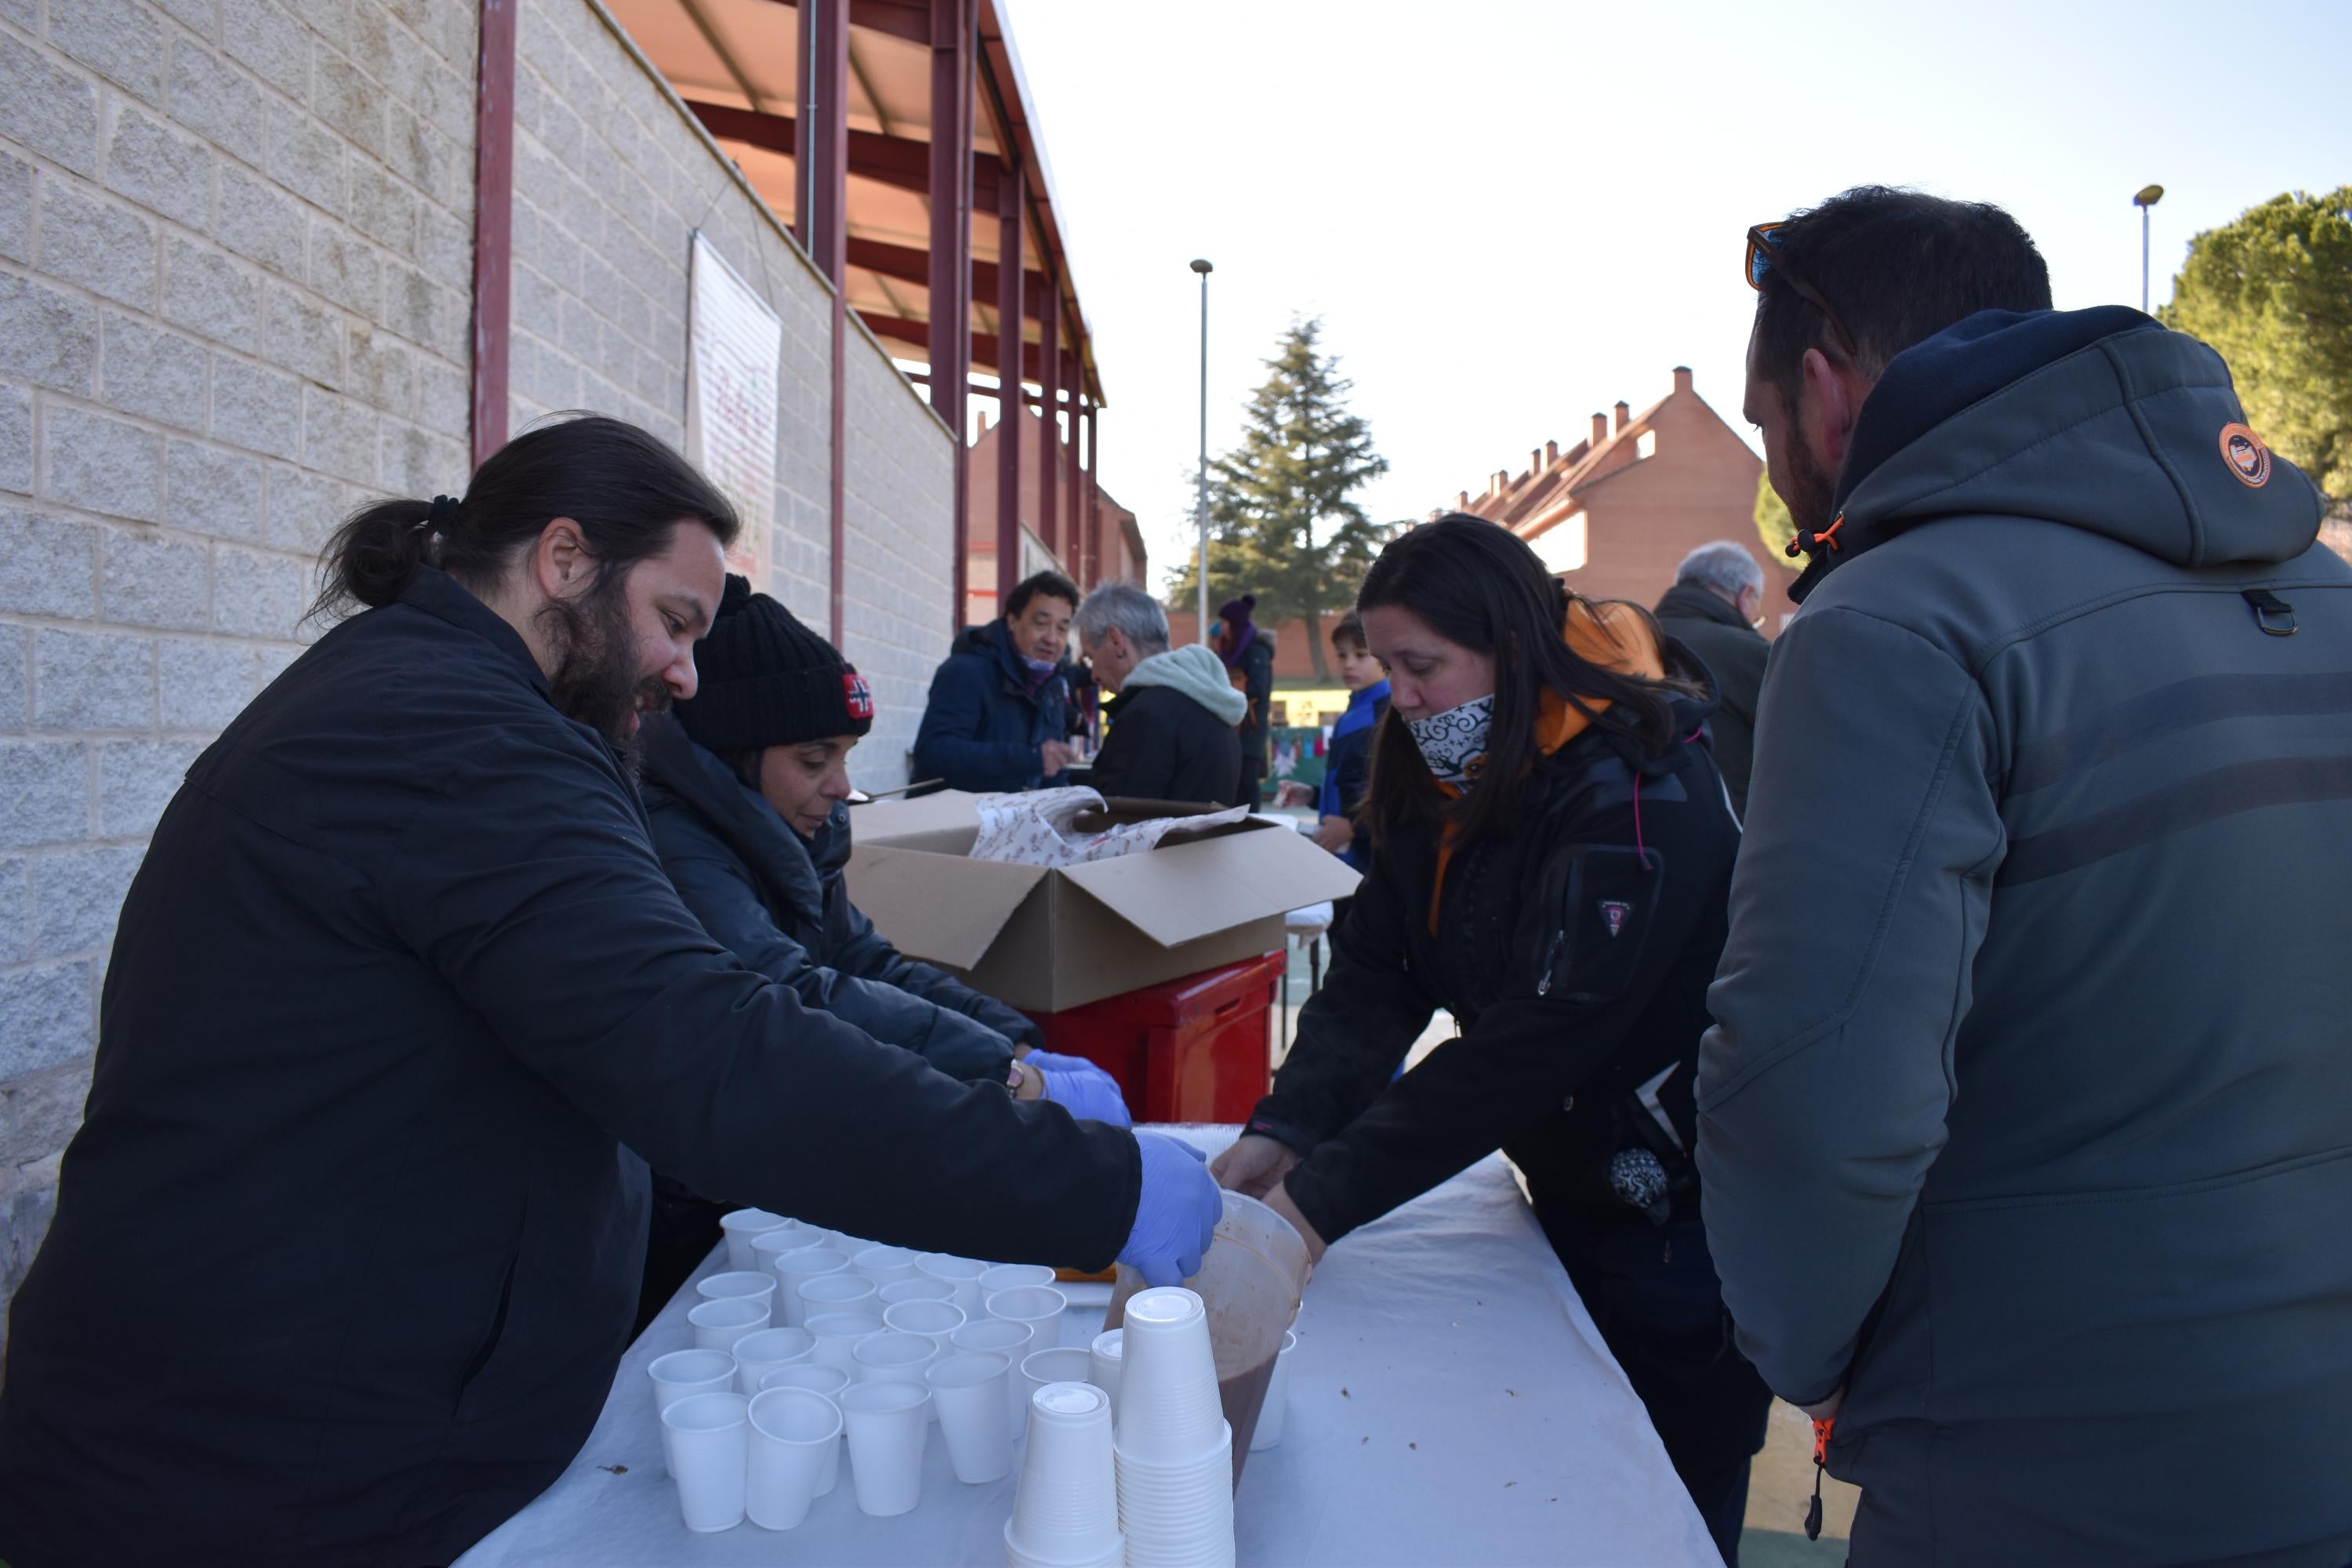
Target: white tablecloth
[{"x": 1449, "y": 1402}]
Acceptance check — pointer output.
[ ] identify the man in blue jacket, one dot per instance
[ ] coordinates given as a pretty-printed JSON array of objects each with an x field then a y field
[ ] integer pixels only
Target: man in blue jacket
[
  {"x": 998, "y": 718},
  {"x": 2024, "y": 1123}
]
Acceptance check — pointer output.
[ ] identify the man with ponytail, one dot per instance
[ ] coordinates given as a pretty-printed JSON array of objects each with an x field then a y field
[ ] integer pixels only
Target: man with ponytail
[{"x": 400, "y": 1004}]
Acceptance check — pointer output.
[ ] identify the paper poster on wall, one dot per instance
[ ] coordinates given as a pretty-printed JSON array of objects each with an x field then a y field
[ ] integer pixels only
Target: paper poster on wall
[{"x": 735, "y": 346}]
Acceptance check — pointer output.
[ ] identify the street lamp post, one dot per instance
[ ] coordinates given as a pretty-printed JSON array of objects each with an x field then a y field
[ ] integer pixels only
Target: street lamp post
[
  {"x": 2148, "y": 197},
  {"x": 1201, "y": 476}
]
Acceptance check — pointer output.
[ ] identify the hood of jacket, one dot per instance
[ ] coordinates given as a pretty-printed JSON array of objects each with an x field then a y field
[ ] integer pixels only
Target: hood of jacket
[
  {"x": 680, "y": 775},
  {"x": 2097, "y": 419},
  {"x": 1195, "y": 671}
]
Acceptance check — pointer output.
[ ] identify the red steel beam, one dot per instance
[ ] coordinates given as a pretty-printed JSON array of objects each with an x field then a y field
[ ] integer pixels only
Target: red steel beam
[
  {"x": 910, "y": 265},
  {"x": 825, "y": 42},
  {"x": 1010, "y": 312},
  {"x": 494, "y": 106},
  {"x": 1094, "y": 500},
  {"x": 1074, "y": 527},
  {"x": 950, "y": 259},
  {"x": 986, "y": 348},
  {"x": 1049, "y": 438},
  {"x": 896, "y": 161}
]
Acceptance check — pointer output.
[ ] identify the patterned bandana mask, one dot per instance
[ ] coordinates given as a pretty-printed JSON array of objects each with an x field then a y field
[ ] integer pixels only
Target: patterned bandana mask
[{"x": 1454, "y": 744}]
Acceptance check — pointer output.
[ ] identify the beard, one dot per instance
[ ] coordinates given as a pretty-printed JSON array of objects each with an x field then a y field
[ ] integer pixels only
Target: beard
[
  {"x": 595, "y": 681},
  {"x": 1815, "y": 488}
]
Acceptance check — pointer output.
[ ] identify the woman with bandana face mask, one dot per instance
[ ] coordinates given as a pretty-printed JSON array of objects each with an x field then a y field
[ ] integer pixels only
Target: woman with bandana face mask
[{"x": 1551, "y": 857}]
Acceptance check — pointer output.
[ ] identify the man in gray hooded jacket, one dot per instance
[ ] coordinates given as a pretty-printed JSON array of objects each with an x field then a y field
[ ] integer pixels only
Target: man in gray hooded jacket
[{"x": 2026, "y": 1124}]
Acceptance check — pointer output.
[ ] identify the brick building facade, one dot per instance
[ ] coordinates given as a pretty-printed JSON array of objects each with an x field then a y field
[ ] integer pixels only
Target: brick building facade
[{"x": 1614, "y": 514}]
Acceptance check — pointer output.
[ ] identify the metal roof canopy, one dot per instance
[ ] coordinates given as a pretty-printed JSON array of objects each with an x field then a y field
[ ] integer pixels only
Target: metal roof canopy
[{"x": 737, "y": 65}]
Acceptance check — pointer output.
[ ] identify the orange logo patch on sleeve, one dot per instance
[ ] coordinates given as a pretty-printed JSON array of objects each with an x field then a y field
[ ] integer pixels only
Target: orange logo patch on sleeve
[{"x": 2247, "y": 456}]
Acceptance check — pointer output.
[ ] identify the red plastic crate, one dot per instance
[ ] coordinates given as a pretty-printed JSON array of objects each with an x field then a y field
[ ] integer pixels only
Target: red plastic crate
[{"x": 1194, "y": 1049}]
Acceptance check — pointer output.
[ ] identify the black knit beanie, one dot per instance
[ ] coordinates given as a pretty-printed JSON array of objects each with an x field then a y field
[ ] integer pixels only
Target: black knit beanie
[{"x": 768, "y": 680}]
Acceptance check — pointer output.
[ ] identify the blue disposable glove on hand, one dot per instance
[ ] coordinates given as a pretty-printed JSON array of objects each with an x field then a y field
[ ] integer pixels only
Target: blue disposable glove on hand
[
  {"x": 1082, "y": 1089},
  {"x": 1056, "y": 1061},
  {"x": 1176, "y": 1211}
]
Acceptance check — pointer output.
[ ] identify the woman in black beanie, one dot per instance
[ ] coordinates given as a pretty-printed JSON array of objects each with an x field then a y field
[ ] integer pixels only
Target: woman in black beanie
[{"x": 746, "y": 788}]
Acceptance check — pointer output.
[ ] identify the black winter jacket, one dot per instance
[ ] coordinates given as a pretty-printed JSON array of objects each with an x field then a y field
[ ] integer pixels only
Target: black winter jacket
[
  {"x": 982, "y": 727},
  {"x": 1734, "y": 653},
  {"x": 1164, "y": 745},
  {"x": 1574, "y": 955},
  {"x": 781, "y": 904},
  {"x": 1256, "y": 670},
  {"x": 399, "y": 976}
]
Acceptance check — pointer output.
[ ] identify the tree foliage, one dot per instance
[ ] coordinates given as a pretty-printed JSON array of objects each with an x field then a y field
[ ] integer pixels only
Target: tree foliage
[
  {"x": 2271, "y": 293},
  {"x": 1773, "y": 524},
  {"x": 1283, "y": 523}
]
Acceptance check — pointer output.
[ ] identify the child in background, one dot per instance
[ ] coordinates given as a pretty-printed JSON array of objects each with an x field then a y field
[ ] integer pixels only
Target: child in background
[{"x": 1349, "y": 759}]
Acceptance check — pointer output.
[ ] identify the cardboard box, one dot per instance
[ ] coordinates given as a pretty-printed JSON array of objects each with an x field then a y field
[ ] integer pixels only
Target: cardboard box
[{"x": 1051, "y": 940}]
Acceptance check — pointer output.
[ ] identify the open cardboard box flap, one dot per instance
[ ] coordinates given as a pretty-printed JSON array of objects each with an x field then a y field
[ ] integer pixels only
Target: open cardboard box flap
[
  {"x": 1041, "y": 938},
  {"x": 1191, "y": 889},
  {"x": 899, "y": 885}
]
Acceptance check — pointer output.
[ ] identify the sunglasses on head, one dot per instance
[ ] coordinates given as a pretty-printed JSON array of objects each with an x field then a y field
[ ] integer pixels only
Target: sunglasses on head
[{"x": 1764, "y": 256}]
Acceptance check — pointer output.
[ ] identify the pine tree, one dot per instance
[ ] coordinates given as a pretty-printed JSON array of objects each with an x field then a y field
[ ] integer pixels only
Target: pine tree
[{"x": 1283, "y": 524}]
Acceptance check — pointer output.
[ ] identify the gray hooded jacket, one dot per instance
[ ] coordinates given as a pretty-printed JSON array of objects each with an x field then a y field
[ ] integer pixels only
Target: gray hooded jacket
[{"x": 2028, "y": 1112}]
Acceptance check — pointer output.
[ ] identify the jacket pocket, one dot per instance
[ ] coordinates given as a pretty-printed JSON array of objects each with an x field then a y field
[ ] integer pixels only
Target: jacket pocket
[
  {"x": 486, "y": 1350},
  {"x": 2130, "y": 1304}
]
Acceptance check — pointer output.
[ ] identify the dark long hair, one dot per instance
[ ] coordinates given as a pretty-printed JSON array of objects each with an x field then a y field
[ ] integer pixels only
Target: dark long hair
[
  {"x": 624, "y": 488},
  {"x": 1476, "y": 583}
]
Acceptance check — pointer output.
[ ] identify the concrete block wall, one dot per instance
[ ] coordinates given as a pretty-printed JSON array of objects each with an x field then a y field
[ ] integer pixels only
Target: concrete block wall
[
  {"x": 612, "y": 178},
  {"x": 898, "y": 509},
  {"x": 236, "y": 255}
]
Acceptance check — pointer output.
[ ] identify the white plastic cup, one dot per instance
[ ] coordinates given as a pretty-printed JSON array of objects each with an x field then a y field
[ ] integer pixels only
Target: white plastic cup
[
  {"x": 838, "y": 1292},
  {"x": 792, "y": 1268},
  {"x": 1066, "y": 1506},
  {"x": 794, "y": 1435},
  {"x": 935, "y": 1321},
  {"x": 969, "y": 1393},
  {"x": 718, "y": 1324},
  {"x": 893, "y": 1357},
  {"x": 1039, "y": 1306},
  {"x": 749, "y": 1284},
  {"x": 1181, "y": 1514},
  {"x": 770, "y": 1245},
  {"x": 837, "y": 1334},
  {"x": 919, "y": 1288},
  {"x": 705, "y": 1438},
  {"x": 1105, "y": 1361},
  {"x": 885, "y": 1264},
  {"x": 1063, "y": 1364},
  {"x": 741, "y": 1227},
  {"x": 817, "y": 1378},
  {"x": 682, "y": 1374},
  {"x": 1277, "y": 1397},
  {"x": 1169, "y": 1412},
  {"x": 888, "y": 1425},
  {"x": 992, "y": 1336},
  {"x": 1011, "y": 1277},
  {"x": 758, "y": 1354},
  {"x": 961, "y": 1273}
]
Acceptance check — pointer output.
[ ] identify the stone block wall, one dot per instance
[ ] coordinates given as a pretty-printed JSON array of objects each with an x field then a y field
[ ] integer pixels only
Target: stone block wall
[
  {"x": 612, "y": 178},
  {"x": 236, "y": 258}
]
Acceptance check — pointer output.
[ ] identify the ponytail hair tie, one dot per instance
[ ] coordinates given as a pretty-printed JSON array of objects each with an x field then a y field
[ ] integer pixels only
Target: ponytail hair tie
[{"x": 441, "y": 519}]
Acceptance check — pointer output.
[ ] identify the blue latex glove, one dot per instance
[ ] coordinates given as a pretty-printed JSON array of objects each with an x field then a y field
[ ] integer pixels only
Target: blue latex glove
[
  {"x": 1082, "y": 1089},
  {"x": 1056, "y": 1061},
  {"x": 1176, "y": 1211}
]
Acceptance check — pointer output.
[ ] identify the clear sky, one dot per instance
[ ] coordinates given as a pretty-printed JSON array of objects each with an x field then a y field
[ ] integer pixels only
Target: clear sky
[{"x": 1509, "y": 215}]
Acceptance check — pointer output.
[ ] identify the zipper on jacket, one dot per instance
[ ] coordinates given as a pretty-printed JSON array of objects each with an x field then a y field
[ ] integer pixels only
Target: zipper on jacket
[{"x": 1552, "y": 960}]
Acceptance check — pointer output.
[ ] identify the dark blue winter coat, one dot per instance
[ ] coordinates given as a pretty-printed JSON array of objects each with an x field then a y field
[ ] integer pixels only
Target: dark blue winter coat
[{"x": 983, "y": 727}]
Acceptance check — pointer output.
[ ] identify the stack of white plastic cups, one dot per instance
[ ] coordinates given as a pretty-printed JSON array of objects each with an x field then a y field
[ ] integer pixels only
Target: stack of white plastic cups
[
  {"x": 1174, "y": 1448},
  {"x": 1066, "y": 1506}
]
